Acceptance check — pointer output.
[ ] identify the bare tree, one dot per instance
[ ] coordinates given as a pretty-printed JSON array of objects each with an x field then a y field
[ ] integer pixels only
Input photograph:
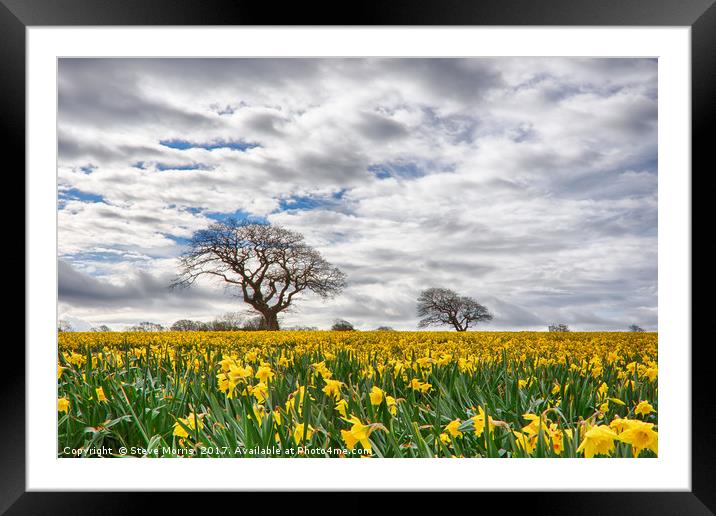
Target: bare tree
[
  {"x": 342, "y": 325},
  {"x": 230, "y": 321},
  {"x": 268, "y": 265},
  {"x": 634, "y": 327},
  {"x": 63, "y": 325},
  {"x": 100, "y": 329},
  {"x": 299, "y": 327},
  {"x": 146, "y": 326},
  {"x": 558, "y": 328},
  {"x": 188, "y": 325},
  {"x": 444, "y": 306}
]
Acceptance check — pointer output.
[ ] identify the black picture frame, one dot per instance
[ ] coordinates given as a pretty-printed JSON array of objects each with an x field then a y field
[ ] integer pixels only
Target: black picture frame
[{"x": 700, "y": 15}]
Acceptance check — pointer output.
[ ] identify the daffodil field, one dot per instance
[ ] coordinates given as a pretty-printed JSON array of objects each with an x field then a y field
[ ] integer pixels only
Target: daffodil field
[{"x": 357, "y": 394}]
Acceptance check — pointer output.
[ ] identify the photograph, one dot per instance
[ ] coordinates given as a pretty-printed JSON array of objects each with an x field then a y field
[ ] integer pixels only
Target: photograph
[{"x": 357, "y": 257}]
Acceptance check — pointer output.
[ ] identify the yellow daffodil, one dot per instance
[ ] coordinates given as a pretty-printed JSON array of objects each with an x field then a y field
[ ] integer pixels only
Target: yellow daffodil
[
  {"x": 478, "y": 421},
  {"x": 295, "y": 400},
  {"x": 320, "y": 368},
  {"x": 298, "y": 433},
  {"x": 192, "y": 422},
  {"x": 358, "y": 433},
  {"x": 238, "y": 373},
  {"x": 651, "y": 373},
  {"x": 264, "y": 374},
  {"x": 620, "y": 424},
  {"x": 597, "y": 440},
  {"x": 602, "y": 390},
  {"x": 392, "y": 405},
  {"x": 644, "y": 408},
  {"x": 452, "y": 428},
  {"x": 333, "y": 388},
  {"x": 260, "y": 392},
  {"x": 342, "y": 407},
  {"x": 100, "y": 395},
  {"x": 259, "y": 413},
  {"x": 226, "y": 363},
  {"x": 612, "y": 357},
  {"x": 640, "y": 435},
  {"x": 535, "y": 423},
  {"x": 63, "y": 404},
  {"x": 422, "y": 387},
  {"x": 556, "y": 435},
  {"x": 525, "y": 442},
  {"x": 376, "y": 396}
]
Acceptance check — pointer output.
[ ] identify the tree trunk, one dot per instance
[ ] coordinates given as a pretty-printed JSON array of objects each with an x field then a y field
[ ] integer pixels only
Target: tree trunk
[
  {"x": 271, "y": 320},
  {"x": 459, "y": 327}
]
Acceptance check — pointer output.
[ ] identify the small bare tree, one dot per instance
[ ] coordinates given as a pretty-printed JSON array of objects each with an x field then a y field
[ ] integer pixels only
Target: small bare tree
[
  {"x": 268, "y": 265},
  {"x": 188, "y": 325},
  {"x": 342, "y": 325},
  {"x": 230, "y": 321},
  {"x": 558, "y": 328},
  {"x": 444, "y": 306},
  {"x": 146, "y": 326},
  {"x": 63, "y": 325}
]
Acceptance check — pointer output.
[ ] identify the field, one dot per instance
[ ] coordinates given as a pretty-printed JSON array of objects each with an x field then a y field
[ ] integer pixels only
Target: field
[{"x": 357, "y": 394}]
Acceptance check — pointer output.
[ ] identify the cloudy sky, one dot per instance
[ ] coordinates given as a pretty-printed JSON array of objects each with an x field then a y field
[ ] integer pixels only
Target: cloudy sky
[{"x": 529, "y": 184}]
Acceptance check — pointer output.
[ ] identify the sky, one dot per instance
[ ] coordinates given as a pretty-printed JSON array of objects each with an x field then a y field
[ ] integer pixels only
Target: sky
[{"x": 529, "y": 184}]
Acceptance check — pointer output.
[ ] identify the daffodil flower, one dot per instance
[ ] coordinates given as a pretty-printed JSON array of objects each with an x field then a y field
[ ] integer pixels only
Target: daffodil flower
[
  {"x": 597, "y": 440},
  {"x": 640, "y": 435},
  {"x": 452, "y": 428},
  {"x": 100, "y": 395},
  {"x": 333, "y": 388},
  {"x": 192, "y": 422},
  {"x": 644, "y": 408},
  {"x": 358, "y": 433},
  {"x": 299, "y": 430},
  {"x": 342, "y": 407},
  {"x": 63, "y": 404},
  {"x": 376, "y": 396},
  {"x": 264, "y": 374}
]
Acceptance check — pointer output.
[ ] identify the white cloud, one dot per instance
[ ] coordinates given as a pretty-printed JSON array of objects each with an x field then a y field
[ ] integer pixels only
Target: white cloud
[{"x": 527, "y": 183}]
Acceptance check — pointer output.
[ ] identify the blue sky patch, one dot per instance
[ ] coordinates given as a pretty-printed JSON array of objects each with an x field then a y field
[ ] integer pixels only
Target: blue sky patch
[
  {"x": 188, "y": 166},
  {"x": 237, "y": 145},
  {"x": 239, "y": 215},
  {"x": 399, "y": 169},
  {"x": 311, "y": 202},
  {"x": 96, "y": 256},
  {"x": 73, "y": 194},
  {"x": 182, "y": 241}
]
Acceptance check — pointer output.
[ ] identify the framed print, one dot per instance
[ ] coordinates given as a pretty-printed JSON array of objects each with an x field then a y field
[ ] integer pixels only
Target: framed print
[{"x": 455, "y": 242}]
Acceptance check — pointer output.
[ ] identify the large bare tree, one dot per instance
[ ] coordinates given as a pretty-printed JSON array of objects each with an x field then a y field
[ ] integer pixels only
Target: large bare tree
[
  {"x": 444, "y": 306},
  {"x": 269, "y": 265}
]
